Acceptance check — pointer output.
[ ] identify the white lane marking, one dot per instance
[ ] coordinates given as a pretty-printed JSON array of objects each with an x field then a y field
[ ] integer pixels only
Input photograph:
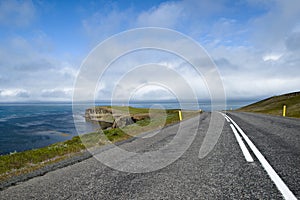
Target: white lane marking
[
  {"x": 282, "y": 187},
  {"x": 243, "y": 147},
  {"x": 224, "y": 116}
]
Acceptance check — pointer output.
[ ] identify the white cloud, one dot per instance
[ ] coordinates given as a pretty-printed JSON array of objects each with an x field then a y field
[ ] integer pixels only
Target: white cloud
[
  {"x": 150, "y": 92},
  {"x": 186, "y": 15},
  {"x": 13, "y": 93},
  {"x": 101, "y": 25},
  {"x": 67, "y": 70},
  {"x": 24, "y": 65},
  {"x": 292, "y": 41},
  {"x": 156, "y": 81},
  {"x": 166, "y": 15},
  {"x": 271, "y": 57},
  {"x": 272, "y": 28},
  {"x": 15, "y": 13},
  {"x": 248, "y": 73},
  {"x": 266, "y": 61},
  {"x": 257, "y": 54},
  {"x": 57, "y": 93}
]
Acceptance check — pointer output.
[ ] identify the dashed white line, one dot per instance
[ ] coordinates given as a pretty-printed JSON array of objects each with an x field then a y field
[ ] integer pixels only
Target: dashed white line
[
  {"x": 282, "y": 187},
  {"x": 243, "y": 147}
]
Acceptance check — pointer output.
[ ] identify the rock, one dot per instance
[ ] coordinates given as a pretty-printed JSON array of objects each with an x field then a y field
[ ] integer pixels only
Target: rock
[
  {"x": 122, "y": 121},
  {"x": 102, "y": 115},
  {"x": 107, "y": 119},
  {"x": 105, "y": 125}
]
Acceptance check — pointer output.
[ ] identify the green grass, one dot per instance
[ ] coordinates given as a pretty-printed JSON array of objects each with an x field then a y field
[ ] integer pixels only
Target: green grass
[
  {"x": 124, "y": 109},
  {"x": 24, "y": 162},
  {"x": 274, "y": 105},
  {"x": 28, "y": 161}
]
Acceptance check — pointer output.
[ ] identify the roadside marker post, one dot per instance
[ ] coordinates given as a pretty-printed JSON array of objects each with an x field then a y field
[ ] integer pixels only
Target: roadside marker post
[
  {"x": 180, "y": 115},
  {"x": 284, "y": 110}
]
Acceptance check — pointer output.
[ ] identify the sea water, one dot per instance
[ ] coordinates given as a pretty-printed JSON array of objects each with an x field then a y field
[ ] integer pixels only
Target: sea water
[{"x": 25, "y": 126}]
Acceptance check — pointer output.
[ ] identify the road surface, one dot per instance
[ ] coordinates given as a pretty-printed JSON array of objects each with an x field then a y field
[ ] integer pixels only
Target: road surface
[{"x": 223, "y": 174}]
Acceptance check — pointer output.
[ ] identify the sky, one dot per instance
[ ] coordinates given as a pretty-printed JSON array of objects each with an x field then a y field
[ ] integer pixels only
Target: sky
[{"x": 255, "y": 45}]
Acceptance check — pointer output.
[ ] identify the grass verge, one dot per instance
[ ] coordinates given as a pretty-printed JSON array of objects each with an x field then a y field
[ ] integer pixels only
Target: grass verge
[{"x": 274, "y": 105}]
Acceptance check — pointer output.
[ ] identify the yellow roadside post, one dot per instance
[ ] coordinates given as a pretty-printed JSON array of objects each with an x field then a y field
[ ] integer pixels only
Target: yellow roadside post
[
  {"x": 180, "y": 115},
  {"x": 284, "y": 110}
]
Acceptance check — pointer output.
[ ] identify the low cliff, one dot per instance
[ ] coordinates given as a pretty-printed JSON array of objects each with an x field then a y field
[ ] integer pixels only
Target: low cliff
[{"x": 109, "y": 117}]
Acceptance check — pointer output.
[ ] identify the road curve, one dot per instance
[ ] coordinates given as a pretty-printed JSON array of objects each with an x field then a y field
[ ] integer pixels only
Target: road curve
[{"x": 222, "y": 174}]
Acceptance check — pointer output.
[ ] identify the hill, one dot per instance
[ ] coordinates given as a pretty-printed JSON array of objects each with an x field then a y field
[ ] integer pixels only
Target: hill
[{"x": 274, "y": 105}]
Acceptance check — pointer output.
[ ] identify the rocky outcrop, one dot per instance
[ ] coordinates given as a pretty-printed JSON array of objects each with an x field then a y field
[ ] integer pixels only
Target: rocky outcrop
[
  {"x": 107, "y": 119},
  {"x": 122, "y": 121}
]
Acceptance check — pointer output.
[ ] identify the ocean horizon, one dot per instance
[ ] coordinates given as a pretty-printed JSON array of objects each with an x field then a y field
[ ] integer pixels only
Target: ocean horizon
[{"x": 31, "y": 125}]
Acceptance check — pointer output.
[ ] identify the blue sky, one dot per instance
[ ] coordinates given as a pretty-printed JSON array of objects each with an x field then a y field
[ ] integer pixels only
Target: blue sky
[{"x": 254, "y": 43}]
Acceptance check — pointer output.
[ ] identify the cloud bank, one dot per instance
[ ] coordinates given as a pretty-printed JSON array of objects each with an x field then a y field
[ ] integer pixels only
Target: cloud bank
[{"x": 255, "y": 45}]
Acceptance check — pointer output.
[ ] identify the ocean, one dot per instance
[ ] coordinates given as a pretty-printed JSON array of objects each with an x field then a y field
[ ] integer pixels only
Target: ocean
[{"x": 25, "y": 126}]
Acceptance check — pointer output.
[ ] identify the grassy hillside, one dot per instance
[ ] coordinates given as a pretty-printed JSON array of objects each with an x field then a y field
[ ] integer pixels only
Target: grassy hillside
[{"x": 274, "y": 105}]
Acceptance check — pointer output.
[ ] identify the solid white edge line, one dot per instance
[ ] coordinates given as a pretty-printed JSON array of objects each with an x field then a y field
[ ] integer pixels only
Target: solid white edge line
[
  {"x": 226, "y": 118},
  {"x": 282, "y": 187},
  {"x": 243, "y": 147}
]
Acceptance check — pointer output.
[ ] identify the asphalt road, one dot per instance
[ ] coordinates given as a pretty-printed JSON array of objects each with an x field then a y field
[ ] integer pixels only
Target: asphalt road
[{"x": 223, "y": 174}]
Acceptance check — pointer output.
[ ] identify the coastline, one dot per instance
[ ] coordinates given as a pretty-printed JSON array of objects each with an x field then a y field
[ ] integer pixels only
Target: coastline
[{"x": 68, "y": 152}]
